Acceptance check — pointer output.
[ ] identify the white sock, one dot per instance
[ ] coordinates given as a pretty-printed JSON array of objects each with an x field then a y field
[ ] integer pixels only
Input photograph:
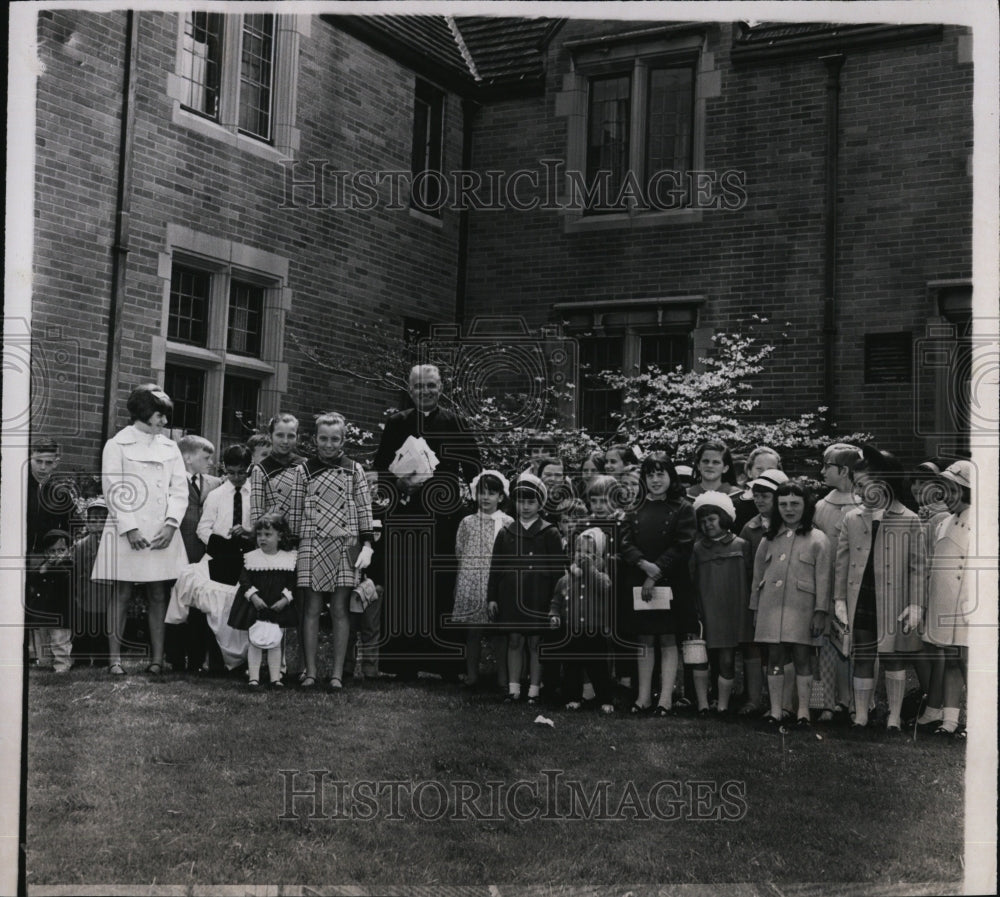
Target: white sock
[
  {"x": 949, "y": 720},
  {"x": 930, "y": 715},
  {"x": 588, "y": 691},
  {"x": 725, "y": 693},
  {"x": 803, "y": 685},
  {"x": 895, "y": 688},
  {"x": 863, "y": 689},
  {"x": 254, "y": 657},
  {"x": 533, "y": 691},
  {"x": 514, "y": 688}
]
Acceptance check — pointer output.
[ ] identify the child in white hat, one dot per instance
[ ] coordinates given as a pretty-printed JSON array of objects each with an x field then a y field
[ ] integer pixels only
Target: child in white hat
[
  {"x": 474, "y": 549},
  {"x": 721, "y": 565}
]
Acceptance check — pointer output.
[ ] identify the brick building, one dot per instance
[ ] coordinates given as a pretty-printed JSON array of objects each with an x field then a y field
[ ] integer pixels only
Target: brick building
[{"x": 202, "y": 219}]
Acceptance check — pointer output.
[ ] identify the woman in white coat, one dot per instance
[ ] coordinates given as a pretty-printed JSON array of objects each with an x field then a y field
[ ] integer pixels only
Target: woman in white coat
[{"x": 145, "y": 487}]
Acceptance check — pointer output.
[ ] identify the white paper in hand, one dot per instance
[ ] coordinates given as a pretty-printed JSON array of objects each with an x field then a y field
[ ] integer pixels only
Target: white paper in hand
[
  {"x": 414, "y": 460},
  {"x": 662, "y": 598}
]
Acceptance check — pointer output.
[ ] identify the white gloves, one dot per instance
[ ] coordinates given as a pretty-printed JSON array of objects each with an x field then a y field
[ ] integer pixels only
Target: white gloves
[
  {"x": 364, "y": 557},
  {"x": 840, "y": 611},
  {"x": 911, "y": 617}
]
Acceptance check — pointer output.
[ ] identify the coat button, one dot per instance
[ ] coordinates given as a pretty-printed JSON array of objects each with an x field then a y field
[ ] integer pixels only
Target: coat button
[
  {"x": 781, "y": 557},
  {"x": 779, "y": 582}
]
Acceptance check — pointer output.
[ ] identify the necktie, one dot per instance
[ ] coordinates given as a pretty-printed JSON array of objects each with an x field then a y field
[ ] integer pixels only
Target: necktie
[
  {"x": 237, "y": 508},
  {"x": 194, "y": 482}
]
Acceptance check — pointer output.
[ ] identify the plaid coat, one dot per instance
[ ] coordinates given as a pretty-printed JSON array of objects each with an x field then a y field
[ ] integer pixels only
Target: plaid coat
[
  {"x": 330, "y": 510},
  {"x": 270, "y": 485}
]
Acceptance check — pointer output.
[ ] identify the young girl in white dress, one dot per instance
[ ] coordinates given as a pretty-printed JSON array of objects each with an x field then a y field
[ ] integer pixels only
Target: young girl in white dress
[{"x": 474, "y": 550}]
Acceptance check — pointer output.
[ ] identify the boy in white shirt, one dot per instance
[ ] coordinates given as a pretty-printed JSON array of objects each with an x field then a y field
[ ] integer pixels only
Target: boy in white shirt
[{"x": 225, "y": 521}]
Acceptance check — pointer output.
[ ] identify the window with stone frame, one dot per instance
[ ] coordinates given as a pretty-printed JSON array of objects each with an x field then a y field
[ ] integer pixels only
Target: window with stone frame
[
  {"x": 634, "y": 105},
  {"x": 238, "y": 73},
  {"x": 221, "y": 348}
]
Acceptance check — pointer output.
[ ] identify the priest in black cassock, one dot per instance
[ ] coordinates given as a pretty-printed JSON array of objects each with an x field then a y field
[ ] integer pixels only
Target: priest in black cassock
[{"x": 420, "y": 530}]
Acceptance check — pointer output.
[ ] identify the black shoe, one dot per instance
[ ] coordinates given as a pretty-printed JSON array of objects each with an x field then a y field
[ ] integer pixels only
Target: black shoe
[{"x": 510, "y": 698}]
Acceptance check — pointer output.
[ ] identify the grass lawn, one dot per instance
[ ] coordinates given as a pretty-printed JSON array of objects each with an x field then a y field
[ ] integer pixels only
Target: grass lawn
[{"x": 179, "y": 781}]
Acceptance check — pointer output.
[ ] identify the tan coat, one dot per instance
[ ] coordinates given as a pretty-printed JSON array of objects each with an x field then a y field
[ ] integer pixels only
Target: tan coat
[
  {"x": 791, "y": 581},
  {"x": 899, "y": 565},
  {"x": 950, "y": 601}
]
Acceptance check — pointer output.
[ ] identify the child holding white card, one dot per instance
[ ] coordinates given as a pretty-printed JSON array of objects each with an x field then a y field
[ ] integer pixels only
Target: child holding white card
[{"x": 656, "y": 544}]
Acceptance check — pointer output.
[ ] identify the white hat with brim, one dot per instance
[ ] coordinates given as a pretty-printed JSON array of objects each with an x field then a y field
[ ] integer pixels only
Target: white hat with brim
[
  {"x": 770, "y": 480},
  {"x": 718, "y": 501},
  {"x": 528, "y": 482},
  {"x": 960, "y": 472}
]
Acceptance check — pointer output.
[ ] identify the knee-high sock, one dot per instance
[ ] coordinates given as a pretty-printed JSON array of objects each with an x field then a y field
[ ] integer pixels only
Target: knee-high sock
[
  {"x": 895, "y": 688},
  {"x": 863, "y": 689}
]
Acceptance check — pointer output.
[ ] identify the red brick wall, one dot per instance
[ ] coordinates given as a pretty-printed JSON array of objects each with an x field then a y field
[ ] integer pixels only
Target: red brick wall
[
  {"x": 346, "y": 267},
  {"x": 904, "y": 215},
  {"x": 78, "y": 127}
]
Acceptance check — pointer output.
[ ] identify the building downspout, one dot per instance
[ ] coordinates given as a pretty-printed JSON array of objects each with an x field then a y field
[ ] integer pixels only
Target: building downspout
[
  {"x": 834, "y": 63},
  {"x": 120, "y": 247},
  {"x": 469, "y": 110}
]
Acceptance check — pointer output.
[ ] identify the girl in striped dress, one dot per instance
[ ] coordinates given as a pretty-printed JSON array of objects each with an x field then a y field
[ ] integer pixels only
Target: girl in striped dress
[{"x": 329, "y": 509}]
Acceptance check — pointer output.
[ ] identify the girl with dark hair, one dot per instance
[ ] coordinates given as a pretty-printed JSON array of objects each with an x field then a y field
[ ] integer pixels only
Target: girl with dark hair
[
  {"x": 528, "y": 560},
  {"x": 271, "y": 482},
  {"x": 618, "y": 457},
  {"x": 713, "y": 465},
  {"x": 266, "y": 593},
  {"x": 790, "y": 594},
  {"x": 146, "y": 490},
  {"x": 474, "y": 550},
  {"x": 656, "y": 542}
]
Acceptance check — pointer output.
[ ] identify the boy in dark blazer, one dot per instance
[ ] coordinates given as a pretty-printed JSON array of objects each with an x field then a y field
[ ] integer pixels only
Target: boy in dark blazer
[{"x": 187, "y": 643}]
